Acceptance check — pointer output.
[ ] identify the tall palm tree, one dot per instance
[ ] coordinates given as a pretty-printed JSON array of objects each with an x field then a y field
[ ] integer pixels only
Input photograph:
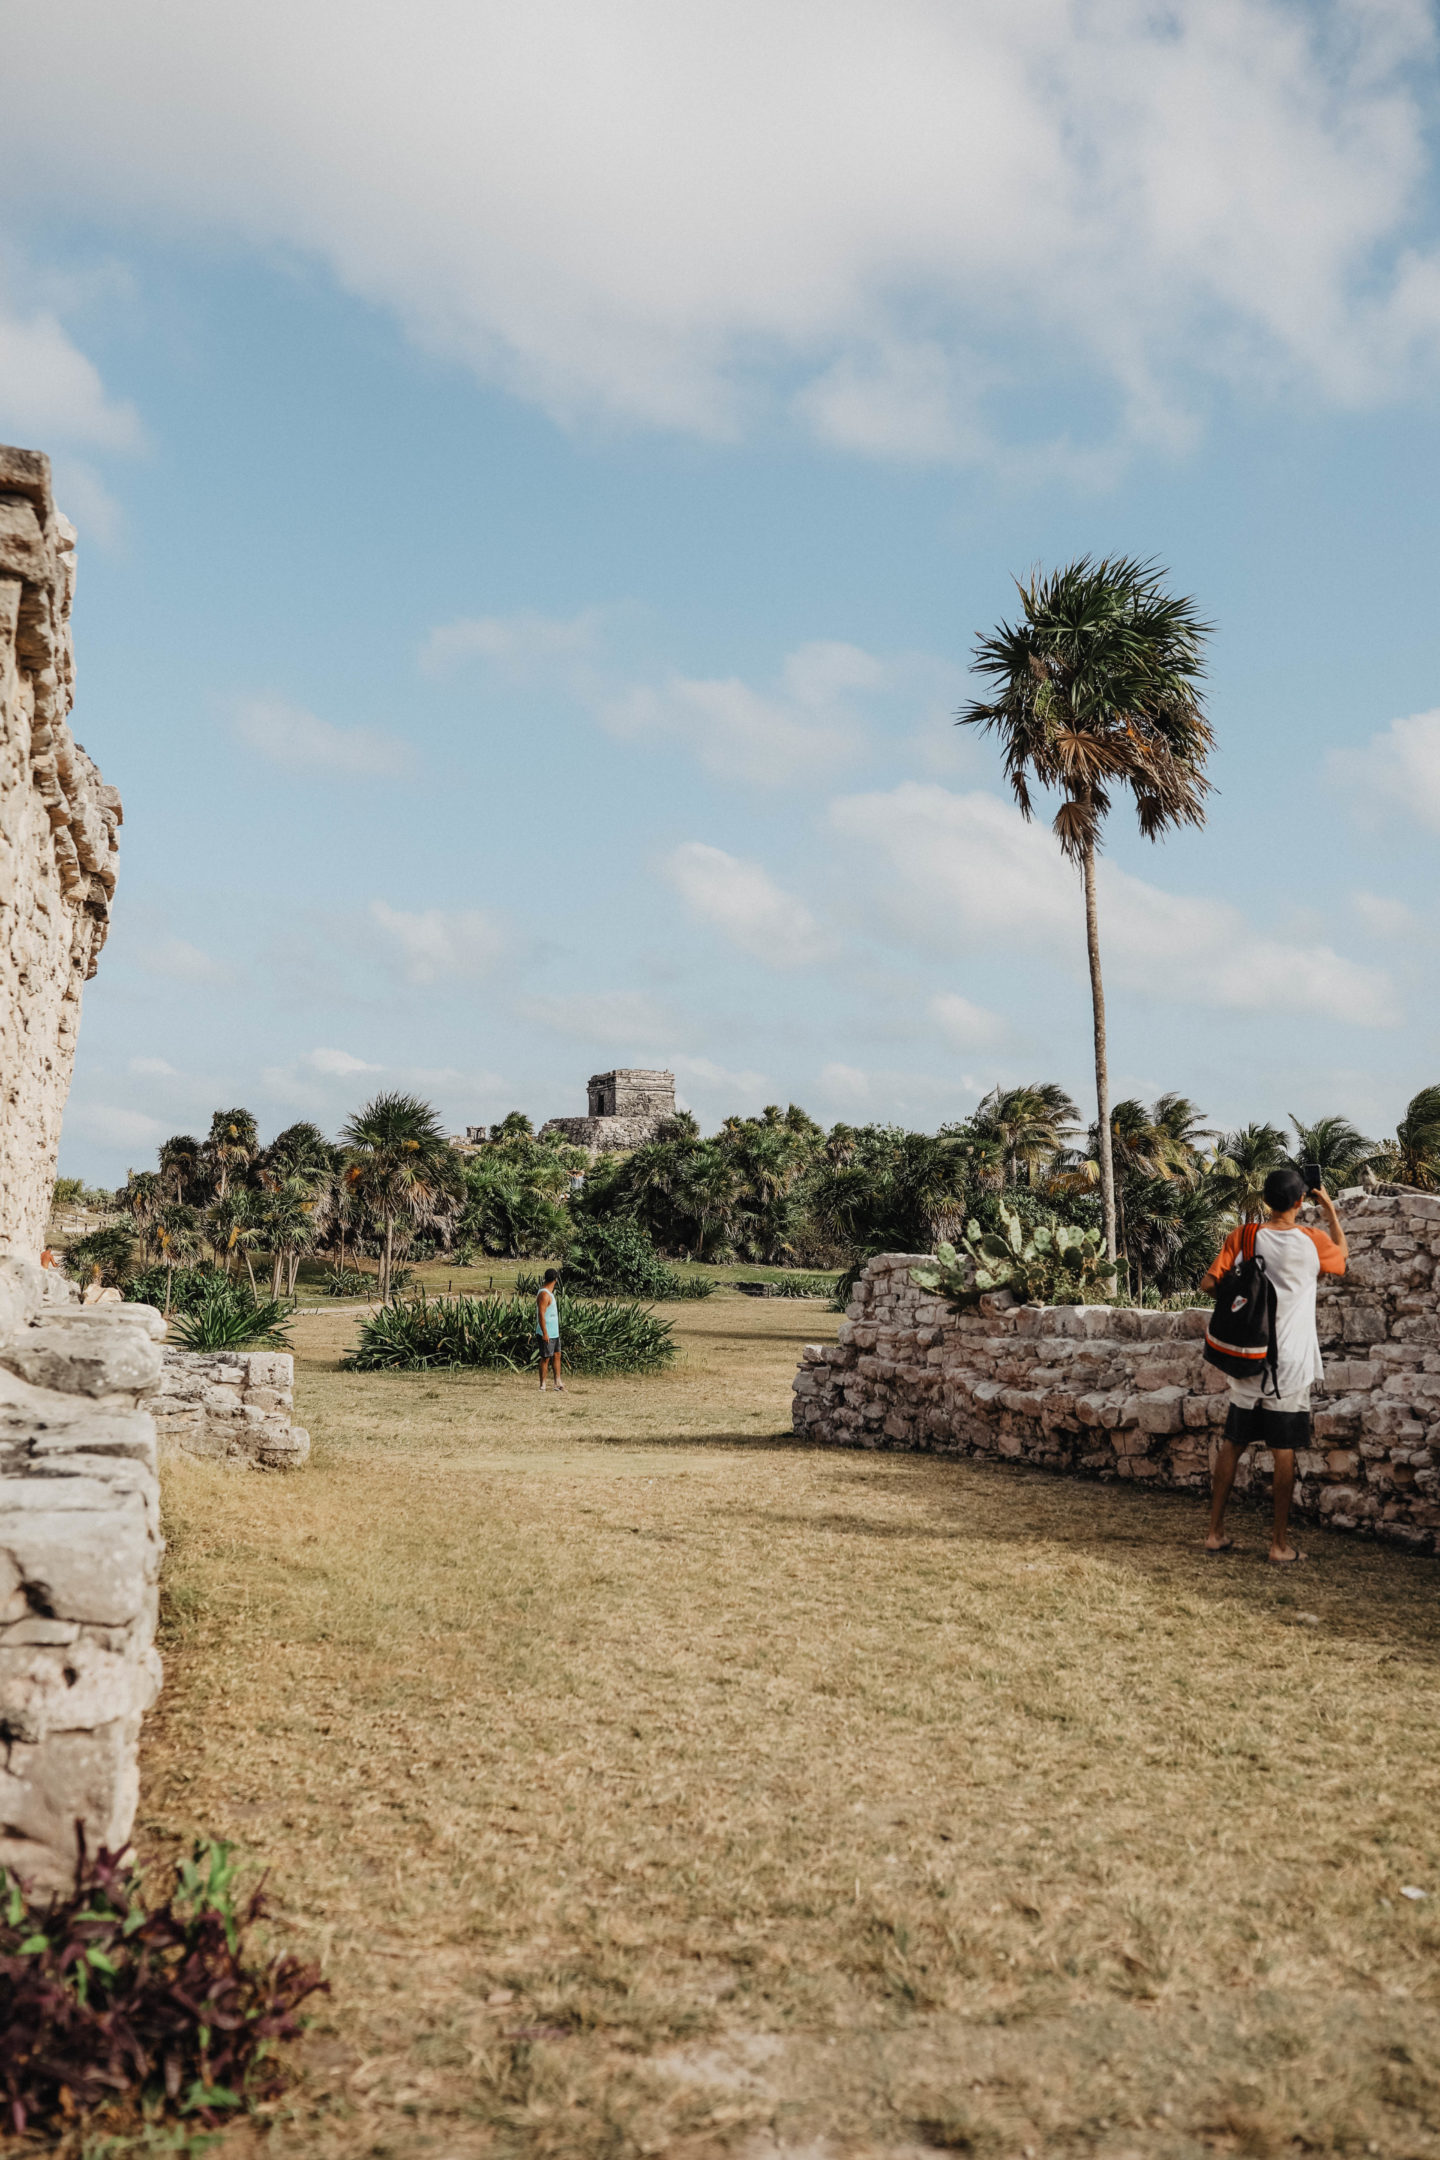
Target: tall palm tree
[
  {"x": 181, "y": 1165},
  {"x": 1097, "y": 689},
  {"x": 1342, "y": 1151},
  {"x": 233, "y": 1144},
  {"x": 177, "y": 1233},
  {"x": 1417, "y": 1139},
  {"x": 399, "y": 1161},
  {"x": 143, "y": 1196},
  {"x": 1241, "y": 1165},
  {"x": 1031, "y": 1123}
]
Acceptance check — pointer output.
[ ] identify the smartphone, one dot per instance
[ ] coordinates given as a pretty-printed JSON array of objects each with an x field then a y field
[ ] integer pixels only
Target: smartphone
[{"x": 1313, "y": 1176}]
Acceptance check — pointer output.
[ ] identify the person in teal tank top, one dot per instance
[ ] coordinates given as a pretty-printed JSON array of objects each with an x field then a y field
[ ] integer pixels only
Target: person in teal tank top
[{"x": 547, "y": 1327}]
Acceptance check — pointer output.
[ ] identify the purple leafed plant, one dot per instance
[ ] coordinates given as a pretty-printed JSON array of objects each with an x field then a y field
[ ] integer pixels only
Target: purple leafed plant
[{"x": 107, "y": 1999}]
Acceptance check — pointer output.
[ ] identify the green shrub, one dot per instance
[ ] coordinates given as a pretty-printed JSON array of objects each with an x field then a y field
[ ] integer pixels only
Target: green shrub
[
  {"x": 112, "y": 1995},
  {"x": 498, "y": 1334},
  {"x": 617, "y": 1259},
  {"x": 187, "y": 1287},
  {"x": 1044, "y": 1263},
  {"x": 795, "y": 1284},
  {"x": 348, "y": 1282},
  {"x": 229, "y": 1316},
  {"x": 112, "y": 1250}
]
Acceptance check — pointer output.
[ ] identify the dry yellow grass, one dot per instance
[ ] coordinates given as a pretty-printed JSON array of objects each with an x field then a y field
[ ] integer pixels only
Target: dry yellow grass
[{"x": 650, "y": 1784}]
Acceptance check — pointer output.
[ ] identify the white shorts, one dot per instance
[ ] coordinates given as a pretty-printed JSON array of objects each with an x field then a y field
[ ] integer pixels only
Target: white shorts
[{"x": 1246, "y": 1395}]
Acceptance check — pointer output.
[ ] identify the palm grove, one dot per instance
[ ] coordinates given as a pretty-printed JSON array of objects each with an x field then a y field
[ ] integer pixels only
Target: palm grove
[{"x": 778, "y": 1189}]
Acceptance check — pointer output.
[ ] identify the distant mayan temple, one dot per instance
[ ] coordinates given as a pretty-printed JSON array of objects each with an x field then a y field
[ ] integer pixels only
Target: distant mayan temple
[{"x": 626, "y": 1109}]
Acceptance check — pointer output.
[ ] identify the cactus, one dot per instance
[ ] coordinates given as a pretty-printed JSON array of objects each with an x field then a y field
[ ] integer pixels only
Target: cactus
[{"x": 1052, "y": 1263}]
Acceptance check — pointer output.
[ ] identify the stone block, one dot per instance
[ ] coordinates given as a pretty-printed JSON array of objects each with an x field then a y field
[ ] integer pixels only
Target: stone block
[
  {"x": 1161, "y": 1410},
  {"x": 90, "y": 1355}
]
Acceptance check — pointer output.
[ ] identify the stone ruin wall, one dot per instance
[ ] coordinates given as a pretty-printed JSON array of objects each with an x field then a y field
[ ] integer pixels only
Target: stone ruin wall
[
  {"x": 58, "y": 825},
  {"x": 79, "y": 1502},
  {"x": 627, "y": 1109},
  {"x": 1114, "y": 1392},
  {"x": 233, "y": 1406}
]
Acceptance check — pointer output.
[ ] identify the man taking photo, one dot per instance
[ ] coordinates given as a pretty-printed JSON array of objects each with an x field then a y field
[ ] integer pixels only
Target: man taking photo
[{"x": 1295, "y": 1258}]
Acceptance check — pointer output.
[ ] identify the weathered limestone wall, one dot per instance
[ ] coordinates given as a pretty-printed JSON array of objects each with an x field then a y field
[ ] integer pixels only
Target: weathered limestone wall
[
  {"x": 80, "y": 1550},
  {"x": 1108, "y": 1392},
  {"x": 79, "y": 1505},
  {"x": 58, "y": 825},
  {"x": 232, "y": 1405}
]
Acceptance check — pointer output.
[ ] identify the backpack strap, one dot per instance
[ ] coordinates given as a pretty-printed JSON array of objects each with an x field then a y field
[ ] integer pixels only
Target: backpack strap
[{"x": 1247, "y": 1240}]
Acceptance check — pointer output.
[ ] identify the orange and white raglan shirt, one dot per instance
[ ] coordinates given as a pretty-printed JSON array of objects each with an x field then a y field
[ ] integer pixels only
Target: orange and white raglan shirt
[{"x": 1294, "y": 1261}]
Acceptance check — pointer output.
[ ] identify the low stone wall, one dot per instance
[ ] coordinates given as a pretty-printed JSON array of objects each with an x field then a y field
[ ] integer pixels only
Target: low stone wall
[
  {"x": 80, "y": 1550},
  {"x": 232, "y": 1405},
  {"x": 1105, "y": 1391}
]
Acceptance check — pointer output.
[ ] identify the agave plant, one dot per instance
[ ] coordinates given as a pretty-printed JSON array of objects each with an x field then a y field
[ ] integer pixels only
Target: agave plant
[{"x": 1050, "y": 1263}]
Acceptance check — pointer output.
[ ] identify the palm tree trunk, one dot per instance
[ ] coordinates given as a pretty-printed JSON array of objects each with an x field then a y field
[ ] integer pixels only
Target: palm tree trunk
[
  {"x": 1102, "y": 1066},
  {"x": 385, "y": 1258},
  {"x": 277, "y": 1261}
]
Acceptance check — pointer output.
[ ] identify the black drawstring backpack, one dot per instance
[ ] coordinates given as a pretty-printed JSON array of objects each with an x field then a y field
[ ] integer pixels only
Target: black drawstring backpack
[{"x": 1240, "y": 1339}]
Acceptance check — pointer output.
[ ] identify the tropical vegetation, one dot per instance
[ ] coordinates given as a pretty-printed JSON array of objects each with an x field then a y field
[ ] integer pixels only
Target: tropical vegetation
[{"x": 777, "y": 1190}]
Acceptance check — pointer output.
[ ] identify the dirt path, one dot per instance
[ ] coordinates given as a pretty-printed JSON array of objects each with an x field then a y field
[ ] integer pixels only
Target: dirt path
[{"x": 651, "y": 1785}]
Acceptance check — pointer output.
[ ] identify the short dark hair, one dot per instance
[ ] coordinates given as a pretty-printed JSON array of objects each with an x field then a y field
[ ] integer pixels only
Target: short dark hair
[
  {"x": 1284, "y": 1189},
  {"x": 552, "y": 1274}
]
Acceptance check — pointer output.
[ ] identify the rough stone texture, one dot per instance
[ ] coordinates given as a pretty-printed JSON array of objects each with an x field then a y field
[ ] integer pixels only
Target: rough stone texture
[
  {"x": 58, "y": 825},
  {"x": 80, "y": 1554},
  {"x": 232, "y": 1405},
  {"x": 627, "y": 1109},
  {"x": 1107, "y": 1392},
  {"x": 79, "y": 1505}
]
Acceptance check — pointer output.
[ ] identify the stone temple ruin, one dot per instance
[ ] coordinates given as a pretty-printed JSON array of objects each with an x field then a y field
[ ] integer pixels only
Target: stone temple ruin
[
  {"x": 79, "y": 1502},
  {"x": 627, "y": 1109}
]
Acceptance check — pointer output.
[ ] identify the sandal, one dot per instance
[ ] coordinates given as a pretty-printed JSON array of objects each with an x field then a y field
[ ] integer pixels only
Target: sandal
[
  {"x": 1286, "y": 1559},
  {"x": 1216, "y": 1552}
]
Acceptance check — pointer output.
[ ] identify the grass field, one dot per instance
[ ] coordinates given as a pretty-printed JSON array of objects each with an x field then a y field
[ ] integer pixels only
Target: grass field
[{"x": 651, "y": 1785}]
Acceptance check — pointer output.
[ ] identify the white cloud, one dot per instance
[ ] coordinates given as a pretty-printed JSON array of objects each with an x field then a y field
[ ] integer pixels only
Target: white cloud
[
  {"x": 684, "y": 216},
  {"x": 816, "y": 715},
  {"x": 720, "y": 1088},
  {"x": 1398, "y": 770},
  {"x": 522, "y": 646},
  {"x": 152, "y": 1068},
  {"x": 743, "y": 902},
  {"x": 631, "y": 1018},
  {"x": 112, "y": 1126},
  {"x": 1385, "y": 919},
  {"x": 808, "y": 724},
  {"x": 49, "y": 391},
  {"x": 966, "y": 1026},
  {"x": 301, "y": 742},
  {"x": 857, "y": 1095},
  {"x": 433, "y": 945},
  {"x": 180, "y": 961},
  {"x": 966, "y": 874},
  {"x": 336, "y": 1064}
]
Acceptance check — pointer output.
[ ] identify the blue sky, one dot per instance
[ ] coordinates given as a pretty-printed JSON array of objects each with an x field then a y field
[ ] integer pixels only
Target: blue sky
[{"x": 540, "y": 476}]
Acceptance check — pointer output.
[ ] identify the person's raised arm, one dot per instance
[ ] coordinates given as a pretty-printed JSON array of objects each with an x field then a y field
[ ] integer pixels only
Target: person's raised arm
[{"x": 1333, "y": 1223}]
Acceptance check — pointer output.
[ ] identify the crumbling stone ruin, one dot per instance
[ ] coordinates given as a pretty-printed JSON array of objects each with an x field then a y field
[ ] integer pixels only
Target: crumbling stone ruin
[
  {"x": 58, "y": 824},
  {"x": 627, "y": 1109},
  {"x": 234, "y": 1406},
  {"x": 79, "y": 1504},
  {"x": 1114, "y": 1392}
]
